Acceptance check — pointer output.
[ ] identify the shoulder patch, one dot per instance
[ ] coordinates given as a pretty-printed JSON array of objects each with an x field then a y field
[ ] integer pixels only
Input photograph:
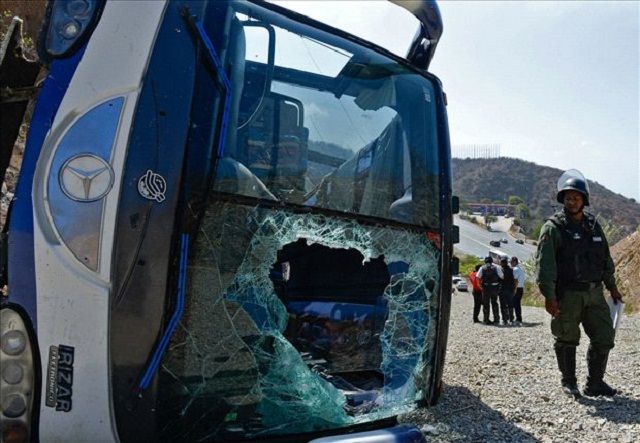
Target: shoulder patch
[{"x": 558, "y": 219}]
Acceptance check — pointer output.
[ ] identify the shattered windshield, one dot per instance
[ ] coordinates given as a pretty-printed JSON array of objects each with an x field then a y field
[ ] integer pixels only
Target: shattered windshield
[{"x": 299, "y": 321}]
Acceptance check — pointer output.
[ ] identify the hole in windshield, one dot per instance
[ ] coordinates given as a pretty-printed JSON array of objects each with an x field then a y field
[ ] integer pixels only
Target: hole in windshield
[
  {"x": 336, "y": 314},
  {"x": 297, "y": 323}
]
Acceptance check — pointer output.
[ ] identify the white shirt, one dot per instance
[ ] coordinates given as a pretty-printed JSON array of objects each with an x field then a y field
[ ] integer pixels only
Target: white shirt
[{"x": 518, "y": 274}]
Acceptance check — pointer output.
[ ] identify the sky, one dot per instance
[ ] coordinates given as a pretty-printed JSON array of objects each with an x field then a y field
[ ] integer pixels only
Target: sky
[{"x": 555, "y": 83}]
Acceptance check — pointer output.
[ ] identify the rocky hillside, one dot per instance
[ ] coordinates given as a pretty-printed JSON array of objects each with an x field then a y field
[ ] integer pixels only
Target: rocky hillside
[
  {"x": 626, "y": 255},
  {"x": 498, "y": 178}
]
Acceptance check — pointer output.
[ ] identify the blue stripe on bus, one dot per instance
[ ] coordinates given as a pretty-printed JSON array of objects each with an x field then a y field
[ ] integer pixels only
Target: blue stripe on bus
[
  {"x": 175, "y": 318},
  {"x": 398, "y": 434},
  {"x": 215, "y": 60},
  {"x": 21, "y": 262}
]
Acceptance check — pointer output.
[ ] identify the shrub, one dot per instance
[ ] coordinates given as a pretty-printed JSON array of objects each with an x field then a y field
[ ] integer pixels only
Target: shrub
[
  {"x": 535, "y": 233},
  {"x": 613, "y": 233},
  {"x": 515, "y": 200},
  {"x": 468, "y": 263}
]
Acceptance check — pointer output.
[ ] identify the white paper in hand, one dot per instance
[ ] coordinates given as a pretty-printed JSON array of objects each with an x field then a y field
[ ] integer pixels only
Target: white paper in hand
[{"x": 615, "y": 309}]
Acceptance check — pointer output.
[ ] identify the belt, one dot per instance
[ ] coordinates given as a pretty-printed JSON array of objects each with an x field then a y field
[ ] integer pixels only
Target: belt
[{"x": 581, "y": 285}]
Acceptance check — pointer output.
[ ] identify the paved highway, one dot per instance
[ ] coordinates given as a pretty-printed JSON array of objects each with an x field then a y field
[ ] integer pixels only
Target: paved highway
[{"x": 474, "y": 239}]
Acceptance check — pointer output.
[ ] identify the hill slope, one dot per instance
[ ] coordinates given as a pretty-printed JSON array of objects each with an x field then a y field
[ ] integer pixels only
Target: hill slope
[
  {"x": 498, "y": 178},
  {"x": 626, "y": 256}
]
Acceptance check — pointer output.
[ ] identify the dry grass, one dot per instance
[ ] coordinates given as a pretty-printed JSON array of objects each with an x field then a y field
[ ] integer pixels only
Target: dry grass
[
  {"x": 626, "y": 256},
  {"x": 31, "y": 12}
]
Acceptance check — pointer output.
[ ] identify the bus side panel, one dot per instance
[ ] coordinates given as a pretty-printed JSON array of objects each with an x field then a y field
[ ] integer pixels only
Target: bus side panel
[
  {"x": 73, "y": 300},
  {"x": 143, "y": 254},
  {"x": 446, "y": 226},
  {"x": 21, "y": 267}
]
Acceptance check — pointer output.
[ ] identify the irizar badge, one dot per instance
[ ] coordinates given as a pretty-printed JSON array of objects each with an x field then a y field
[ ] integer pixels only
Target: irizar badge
[
  {"x": 60, "y": 378},
  {"x": 86, "y": 178},
  {"x": 152, "y": 186}
]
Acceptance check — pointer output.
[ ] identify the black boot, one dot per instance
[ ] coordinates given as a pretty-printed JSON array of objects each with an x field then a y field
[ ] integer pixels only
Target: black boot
[
  {"x": 566, "y": 356},
  {"x": 597, "y": 363}
]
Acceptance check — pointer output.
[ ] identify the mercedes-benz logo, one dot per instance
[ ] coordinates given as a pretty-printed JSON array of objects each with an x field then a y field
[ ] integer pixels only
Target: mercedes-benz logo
[{"x": 86, "y": 178}]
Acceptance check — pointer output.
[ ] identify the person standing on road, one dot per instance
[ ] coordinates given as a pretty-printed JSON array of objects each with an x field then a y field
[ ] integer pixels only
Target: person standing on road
[
  {"x": 476, "y": 290},
  {"x": 507, "y": 291},
  {"x": 572, "y": 262},
  {"x": 518, "y": 275},
  {"x": 490, "y": 277}
]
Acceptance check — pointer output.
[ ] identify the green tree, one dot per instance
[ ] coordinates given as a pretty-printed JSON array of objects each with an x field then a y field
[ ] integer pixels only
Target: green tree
[
  {"x": 523, "y": 211},
  {"x": 488, "y": 219},
  {"x": 535, "y": 233},
  {"x": 515, "y": 200}
]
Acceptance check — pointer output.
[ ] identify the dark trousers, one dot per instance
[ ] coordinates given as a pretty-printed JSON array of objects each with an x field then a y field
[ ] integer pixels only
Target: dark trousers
[
  {"x": 477, "y": 304},
  {"x": 517, "y": 299},
  {"x": 506, "y": 302},
  {"x": 490, "y": 296}
]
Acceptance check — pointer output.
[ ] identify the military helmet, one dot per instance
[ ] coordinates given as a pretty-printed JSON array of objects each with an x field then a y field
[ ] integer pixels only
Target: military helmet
[{"x": 573, "y": 180}]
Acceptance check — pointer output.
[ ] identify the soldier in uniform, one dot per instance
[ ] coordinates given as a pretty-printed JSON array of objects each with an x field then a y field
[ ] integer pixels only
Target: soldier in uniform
[{"x": 573, "y": 261}]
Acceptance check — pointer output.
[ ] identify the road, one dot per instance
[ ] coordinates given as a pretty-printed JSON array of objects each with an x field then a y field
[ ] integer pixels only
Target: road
[{"x": 474, "y": 239}]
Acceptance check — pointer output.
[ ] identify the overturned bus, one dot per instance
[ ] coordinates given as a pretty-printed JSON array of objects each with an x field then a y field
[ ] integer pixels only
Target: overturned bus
[{"x": 232, "y": 223}]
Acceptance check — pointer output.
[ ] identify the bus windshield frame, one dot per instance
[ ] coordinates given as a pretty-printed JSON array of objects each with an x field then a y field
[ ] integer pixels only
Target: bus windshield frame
[
  {"x": 288, "y": 211},
  {"x": 364, "y": 137}
]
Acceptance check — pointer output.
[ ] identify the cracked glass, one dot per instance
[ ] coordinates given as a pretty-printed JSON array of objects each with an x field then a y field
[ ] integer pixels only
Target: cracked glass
[
  {"x": 313, "y": 277},
  {"x": 277, "y": 339}
]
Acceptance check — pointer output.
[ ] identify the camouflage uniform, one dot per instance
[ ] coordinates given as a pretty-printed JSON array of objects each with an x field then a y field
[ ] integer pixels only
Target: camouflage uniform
[
  {"x": 579, "y": 301},
  {"x": 572, "y": 262}
]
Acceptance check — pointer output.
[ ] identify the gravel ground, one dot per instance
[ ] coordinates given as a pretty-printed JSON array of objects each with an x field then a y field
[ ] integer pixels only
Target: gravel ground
[{"x": 502, "y": 385}]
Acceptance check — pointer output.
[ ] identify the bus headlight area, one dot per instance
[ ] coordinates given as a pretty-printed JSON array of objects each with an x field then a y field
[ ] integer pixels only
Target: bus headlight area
[
  {"x": 69, "y": 21},
  {"x": 17, "y": 377}
]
